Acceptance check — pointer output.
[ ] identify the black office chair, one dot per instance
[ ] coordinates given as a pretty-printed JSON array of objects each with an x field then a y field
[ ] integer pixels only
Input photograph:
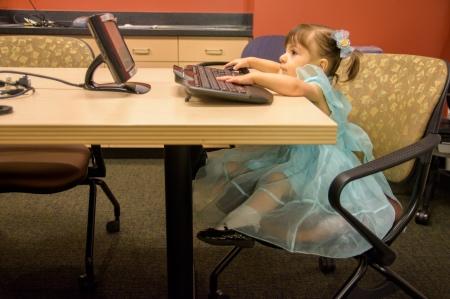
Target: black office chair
[
  {"x": 403, "y": 144},
  {"x": 47, "y": 169},
  {"x": 437, "y": 169},
  {"x": 271, "y": 47}
]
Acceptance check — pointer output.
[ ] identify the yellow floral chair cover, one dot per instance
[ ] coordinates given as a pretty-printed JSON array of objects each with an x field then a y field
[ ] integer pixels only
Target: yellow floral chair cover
[
  {"x": 387, "y": 97},
  {"x": 44, "y": 51}
]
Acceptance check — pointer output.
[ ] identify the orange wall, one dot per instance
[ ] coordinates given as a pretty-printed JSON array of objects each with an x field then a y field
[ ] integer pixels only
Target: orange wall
[
  {"x": 398, "y": 26},
  {"x": 134, "y": 5},
  {"x": 446, "y": 54}
]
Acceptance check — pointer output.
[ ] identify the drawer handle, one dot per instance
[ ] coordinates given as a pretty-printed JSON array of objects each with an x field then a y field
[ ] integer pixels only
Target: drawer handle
[
  {"x": 141, "y": 51},
  {"x": 214, "y": 51}
]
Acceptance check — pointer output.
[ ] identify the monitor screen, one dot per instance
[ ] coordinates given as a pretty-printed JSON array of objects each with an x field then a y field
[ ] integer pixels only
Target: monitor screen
[{"x": 114, "y": 51}]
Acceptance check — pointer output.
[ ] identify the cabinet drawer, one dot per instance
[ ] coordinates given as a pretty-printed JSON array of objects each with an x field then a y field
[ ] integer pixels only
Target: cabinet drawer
[
  {"x": 210, "y": 49},
  {"x": 157, "y": 64},
  {"x": 153, "y": 49}
]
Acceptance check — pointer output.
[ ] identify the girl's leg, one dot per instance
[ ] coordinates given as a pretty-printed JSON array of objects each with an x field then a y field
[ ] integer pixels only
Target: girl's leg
[
  {"x": 265, "y": 198},
  {"x": 234, "y": 193},
  {"x": 327, "y": 227}
]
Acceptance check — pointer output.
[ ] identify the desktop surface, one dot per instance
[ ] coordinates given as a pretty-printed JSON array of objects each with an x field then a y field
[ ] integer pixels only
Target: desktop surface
[{"x": 59, "y": 113}]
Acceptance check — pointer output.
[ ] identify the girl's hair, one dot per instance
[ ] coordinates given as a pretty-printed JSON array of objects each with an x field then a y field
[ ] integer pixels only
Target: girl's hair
[{"x": 310, "y": 35}]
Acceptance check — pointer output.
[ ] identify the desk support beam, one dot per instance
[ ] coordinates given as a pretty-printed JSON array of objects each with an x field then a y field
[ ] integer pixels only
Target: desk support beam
[{"x": 178, "y": 189}]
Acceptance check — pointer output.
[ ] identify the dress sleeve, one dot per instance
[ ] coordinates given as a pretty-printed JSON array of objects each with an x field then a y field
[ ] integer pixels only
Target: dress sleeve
[{"x": 336, "y": 101}]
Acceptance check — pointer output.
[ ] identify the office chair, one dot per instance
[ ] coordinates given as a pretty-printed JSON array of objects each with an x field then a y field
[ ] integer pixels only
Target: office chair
[
  {"x": 47, "y": 169},
  {"x": 271, "y": 47},
  {"x": 423, "y": 213},
  {"x": 44, "y": 51},
  {"x": 401, "y": 115}
]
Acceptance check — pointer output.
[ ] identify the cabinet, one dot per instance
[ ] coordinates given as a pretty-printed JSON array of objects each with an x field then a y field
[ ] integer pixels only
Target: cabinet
[
  {"x": 193, "y": 50},
  {"x": 148, "y": 51}
]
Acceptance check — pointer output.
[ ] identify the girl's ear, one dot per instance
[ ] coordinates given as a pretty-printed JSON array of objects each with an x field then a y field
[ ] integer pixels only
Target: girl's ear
[{"x": 323, "y": 63}]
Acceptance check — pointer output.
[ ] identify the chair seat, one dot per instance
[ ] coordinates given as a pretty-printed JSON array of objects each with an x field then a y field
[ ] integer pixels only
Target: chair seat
[{"x": 42, "y": 168}]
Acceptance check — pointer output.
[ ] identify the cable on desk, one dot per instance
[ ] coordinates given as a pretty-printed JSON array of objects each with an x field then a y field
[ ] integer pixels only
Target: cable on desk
[
  {"x": 42, "y": 76},
  {"x": 22, "y": 86},
  {"x": 12, "y": 93}
]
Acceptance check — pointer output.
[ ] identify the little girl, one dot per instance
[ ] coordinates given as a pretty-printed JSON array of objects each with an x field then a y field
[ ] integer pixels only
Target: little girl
[{"x": 279, "y": 194}]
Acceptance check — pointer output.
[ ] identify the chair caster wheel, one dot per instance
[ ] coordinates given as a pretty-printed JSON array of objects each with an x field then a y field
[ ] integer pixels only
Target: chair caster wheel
[
  {"x": 218, "y": 295},
  {"x": 326, "y": 265},
  {"x": 86, "y": 283},
  {"x": 113, "y": 226},
  {"x": 422, "y": 217}
]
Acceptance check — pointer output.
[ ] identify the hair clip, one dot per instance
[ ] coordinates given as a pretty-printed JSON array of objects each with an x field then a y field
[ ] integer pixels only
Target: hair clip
[{"x": 343, "y": 42}]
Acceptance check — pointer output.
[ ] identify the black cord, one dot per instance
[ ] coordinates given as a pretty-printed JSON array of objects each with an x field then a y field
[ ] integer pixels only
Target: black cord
[
  {"x": 42, "y": 76},
  {"x": 12, "y": 93},
  {"x": 42, "y": 19},
  {"x": 25, "y": 85},
  {"x": 32, "y": 4}
]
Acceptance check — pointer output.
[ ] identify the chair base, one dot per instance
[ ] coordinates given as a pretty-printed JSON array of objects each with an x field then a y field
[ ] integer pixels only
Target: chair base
[
  {"x": 423, "y": 213},
  {"x": 218, "y": 295},
  {"x": 113, "y": 226},
  {"x": 87, "y": 281},
  {"x": 380, "y": 291},
  {"x": 390, "y": 285},
  {"x": 350, "y": 288},
  {"x": 326, "y": 265},
  {"x": 214, "y": 292},
  {"x": 423, "y": 216}
]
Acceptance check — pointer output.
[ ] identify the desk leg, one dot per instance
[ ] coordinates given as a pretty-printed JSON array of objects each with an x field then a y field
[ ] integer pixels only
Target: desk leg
[{"x": 179, "y": 221}]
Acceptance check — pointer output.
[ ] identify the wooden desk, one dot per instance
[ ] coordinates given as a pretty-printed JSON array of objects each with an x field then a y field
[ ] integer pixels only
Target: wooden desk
[{"x": 61, "y": 114}]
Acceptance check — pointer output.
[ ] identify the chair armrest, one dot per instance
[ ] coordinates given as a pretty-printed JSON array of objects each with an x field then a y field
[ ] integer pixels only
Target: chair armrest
[{"x": 418, "y": 149}]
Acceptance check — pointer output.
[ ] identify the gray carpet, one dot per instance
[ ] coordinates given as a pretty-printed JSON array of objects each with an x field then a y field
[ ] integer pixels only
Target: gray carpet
[{"x": 42, "y": 247}]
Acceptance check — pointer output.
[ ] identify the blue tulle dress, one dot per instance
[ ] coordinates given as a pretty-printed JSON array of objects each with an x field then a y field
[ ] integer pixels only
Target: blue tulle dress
[{"x": 297, "y": 178}]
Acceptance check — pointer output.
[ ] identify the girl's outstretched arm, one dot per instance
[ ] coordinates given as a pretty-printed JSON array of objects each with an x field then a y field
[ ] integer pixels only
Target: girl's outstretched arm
[
  {"x": 279, "y": 83},
  {"x": 259, "y": 64},
  {"x": 284, "y": 85}
]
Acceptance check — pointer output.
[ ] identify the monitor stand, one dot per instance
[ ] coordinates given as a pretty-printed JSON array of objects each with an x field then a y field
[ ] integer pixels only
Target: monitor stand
[{"x": 130, "y": 87}]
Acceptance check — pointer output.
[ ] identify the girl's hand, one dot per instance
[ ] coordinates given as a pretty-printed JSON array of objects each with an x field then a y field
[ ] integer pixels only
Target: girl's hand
[
  {"x": 238, "y": 63},
  {"x": 247, "y": 79}
]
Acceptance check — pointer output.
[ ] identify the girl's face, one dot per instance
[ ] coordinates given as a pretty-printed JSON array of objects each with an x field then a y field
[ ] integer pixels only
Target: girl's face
[{"x": 295, "y": 56}]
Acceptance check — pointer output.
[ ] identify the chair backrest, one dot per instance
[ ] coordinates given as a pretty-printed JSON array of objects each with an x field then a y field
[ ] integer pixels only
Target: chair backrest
[
  {"x": 267, "y": 46},
  {"x": 272, "y": 47},
  {"x": 44, "y": 51},
  {"x": 396, "y": 99},
  {"x": 369, "y": 49}
]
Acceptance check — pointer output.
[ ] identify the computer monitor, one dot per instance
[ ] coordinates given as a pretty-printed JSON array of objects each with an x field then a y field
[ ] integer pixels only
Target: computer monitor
[{"x": 115, "y": 53}]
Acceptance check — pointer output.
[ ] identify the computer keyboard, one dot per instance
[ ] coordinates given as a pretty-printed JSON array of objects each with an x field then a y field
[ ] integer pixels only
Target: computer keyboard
[{"x": 200, "y": 81}]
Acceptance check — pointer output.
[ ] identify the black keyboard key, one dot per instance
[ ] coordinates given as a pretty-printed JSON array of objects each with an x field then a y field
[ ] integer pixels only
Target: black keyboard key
[
  {"x": 231, "y": 87},
  {"x": 223, "y": 86},
  {"x": 212, "y": 80},
  {"x": 196, "y": 80},
  {"x": 203, "y": 76}
]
